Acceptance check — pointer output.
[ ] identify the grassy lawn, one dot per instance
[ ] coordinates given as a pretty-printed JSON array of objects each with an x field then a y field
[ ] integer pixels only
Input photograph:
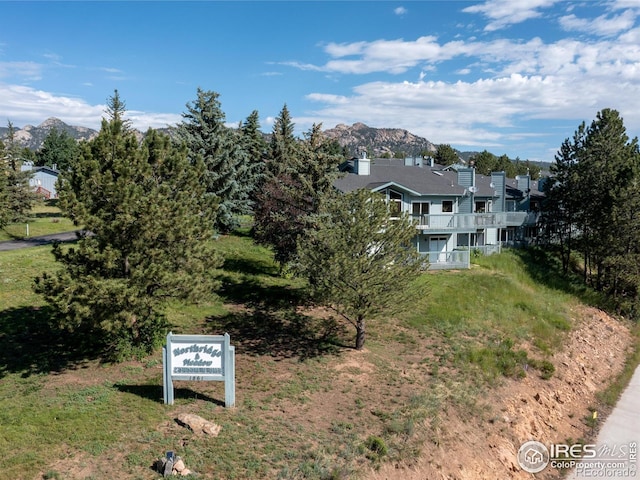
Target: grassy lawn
[
  {"x": 45, "y": 219},
  {"x": 308, "y": 405}
]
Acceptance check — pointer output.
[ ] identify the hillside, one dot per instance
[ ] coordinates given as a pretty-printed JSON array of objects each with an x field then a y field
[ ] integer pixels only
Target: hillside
[
  {"x": 437, "y": 393},
  {"x": 379, "y": 141}
]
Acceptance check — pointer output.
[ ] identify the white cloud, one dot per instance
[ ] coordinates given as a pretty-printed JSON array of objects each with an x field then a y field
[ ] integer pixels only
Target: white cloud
[
  {"x": 482, "y": 113},
  {"x": 506, "y": 83},
  {"x": 28, "y": 71},
  {"x": 602, "y": 25},
  {"x": 622, "y": 4},
  {"x": 393, "y": 56},
  {"x": 271, "y": 74},
  {"x": 110, "y": 70},
  {"x": 400, "y": 11},
  {"x": 503, "y": 13},
  {"x": 25, "y": 105},
  {"x": 145, "y": 120}
]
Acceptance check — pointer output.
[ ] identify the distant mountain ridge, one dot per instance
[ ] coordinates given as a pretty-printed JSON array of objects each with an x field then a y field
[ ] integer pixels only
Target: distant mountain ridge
[
  {"x": 379, "y": 141},
  {"x": 356, "y": 138},
  {"x": 33, "y": 137}
]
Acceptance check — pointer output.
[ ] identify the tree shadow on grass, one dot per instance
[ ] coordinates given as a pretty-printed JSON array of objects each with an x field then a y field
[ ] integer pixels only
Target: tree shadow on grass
[
  {"x": 31, "y": 344},
  {"x": 251, "y": 267},
  {"x": 155, "y": 393},
  {"x": 545, "y": 267},
  {"x": 252, "y": 292},
  {"x": 47, "y": 215},
  {"x": 281, "y": 334}
]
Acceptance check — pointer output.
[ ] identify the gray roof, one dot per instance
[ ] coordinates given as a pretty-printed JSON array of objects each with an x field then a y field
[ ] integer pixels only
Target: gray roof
[{"x": 423, "y": 180}]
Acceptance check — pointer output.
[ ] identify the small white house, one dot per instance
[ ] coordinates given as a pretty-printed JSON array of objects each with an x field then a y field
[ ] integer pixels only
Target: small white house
[{"x": 43, "y": 181}]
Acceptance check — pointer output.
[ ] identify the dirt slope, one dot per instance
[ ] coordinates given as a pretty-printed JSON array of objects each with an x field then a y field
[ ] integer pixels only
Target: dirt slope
[{"x": 529, "y": 409}]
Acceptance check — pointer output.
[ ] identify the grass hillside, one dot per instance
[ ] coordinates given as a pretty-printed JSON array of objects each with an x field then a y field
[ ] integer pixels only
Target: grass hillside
[{"x": 308, "y": 404}]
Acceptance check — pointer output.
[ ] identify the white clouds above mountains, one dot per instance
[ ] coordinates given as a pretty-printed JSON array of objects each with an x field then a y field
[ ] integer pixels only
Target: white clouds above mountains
[
  {"x": 35, "y": 106},
  {"x": 513, "y": 76},
  {"x": 502, "y": 84}
]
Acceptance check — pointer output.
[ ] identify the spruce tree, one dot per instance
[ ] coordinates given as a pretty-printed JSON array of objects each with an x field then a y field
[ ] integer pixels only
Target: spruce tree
[
  {"x": 229, "y": 174},
  {"x": 150, "y": 226},
  {"x": 255, "y": 148},
  {"x": 283, "y": 147}
]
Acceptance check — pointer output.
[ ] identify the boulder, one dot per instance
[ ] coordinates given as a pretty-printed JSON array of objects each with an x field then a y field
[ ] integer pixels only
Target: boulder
[{"x": 198, "y": 424}]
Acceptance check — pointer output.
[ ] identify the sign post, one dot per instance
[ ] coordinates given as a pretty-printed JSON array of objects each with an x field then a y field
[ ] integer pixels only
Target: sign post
[{"x": 199, "y": 358}]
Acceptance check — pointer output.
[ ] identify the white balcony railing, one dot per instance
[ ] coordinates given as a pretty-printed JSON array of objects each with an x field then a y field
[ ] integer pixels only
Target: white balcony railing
[
  {"x": 468, "y": 221},
  {"x": 460, "y": 258}
]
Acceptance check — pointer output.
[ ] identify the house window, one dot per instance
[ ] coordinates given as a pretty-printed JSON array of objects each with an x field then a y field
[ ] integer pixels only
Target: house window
[
  {"x": 447, "y": 206},
  {"x": 481, "y": 207},
  {"x": 419, "y": 208},
  {"x": 395, "y": 203},
  {"x": 419, "y": 212}
]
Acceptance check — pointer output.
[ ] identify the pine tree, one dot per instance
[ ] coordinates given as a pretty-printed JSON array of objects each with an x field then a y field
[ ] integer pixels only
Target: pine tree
[
  {"x": 561, "y": 207},
  {"x": 229, "y": 171},
  {"x": 592, "y": 206},
  {"x": 357, "y": 260},
  {"x": 151, "y": 225},
  {"x": 446, "y": 155}
]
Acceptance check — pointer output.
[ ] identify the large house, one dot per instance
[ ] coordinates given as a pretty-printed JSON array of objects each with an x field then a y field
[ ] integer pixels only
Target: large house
[{"x": 455, "y": 210}]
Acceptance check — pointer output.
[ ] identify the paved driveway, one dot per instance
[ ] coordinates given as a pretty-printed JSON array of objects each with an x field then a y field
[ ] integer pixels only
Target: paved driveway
[{"x": 37, "y": 241}]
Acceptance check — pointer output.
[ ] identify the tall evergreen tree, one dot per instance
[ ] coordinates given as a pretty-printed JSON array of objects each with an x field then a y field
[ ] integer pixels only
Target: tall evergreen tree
[
  {"x": 283, "y": 147},
  {"x": 229, "y": 176},
  {"x": 57, "y": 150},
  {"x": 293, "y": 192},
  {"x": 252, "y": 139},
  {"x": 446, "y": 155},
  {"x": 561, "y": 206},
  {"x": 593, "y": 204},
  {"x": 255, "y": 148},
  {"x": 116, "y": 109},
  {"x": 18, "y": 195},
  {"x": 610, "y": 169},
  {"x": 357, "y": 260},
  {"x": 150, "y": 224},
  {"x": 5, "y": 201}
]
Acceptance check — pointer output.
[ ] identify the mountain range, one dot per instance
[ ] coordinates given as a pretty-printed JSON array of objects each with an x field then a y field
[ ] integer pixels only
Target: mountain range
[
  {"x": 33, "y": 137},
  {"x": 356, "y": 138}
]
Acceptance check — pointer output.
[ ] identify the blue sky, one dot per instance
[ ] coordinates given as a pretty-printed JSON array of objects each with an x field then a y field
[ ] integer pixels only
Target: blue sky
[{"x": 514, "y": 77}]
